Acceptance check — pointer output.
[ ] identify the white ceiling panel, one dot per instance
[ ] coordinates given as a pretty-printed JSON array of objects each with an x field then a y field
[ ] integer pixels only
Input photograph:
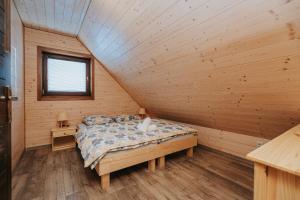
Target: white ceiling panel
[{"x": 55, "y": 15}]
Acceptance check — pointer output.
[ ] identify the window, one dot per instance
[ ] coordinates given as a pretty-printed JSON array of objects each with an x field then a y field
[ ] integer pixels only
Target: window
[{"x": 64, "y": 75}]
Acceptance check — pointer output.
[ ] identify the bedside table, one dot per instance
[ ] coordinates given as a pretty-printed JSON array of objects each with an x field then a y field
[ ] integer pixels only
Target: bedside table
[{"x": 63, "y": 138}]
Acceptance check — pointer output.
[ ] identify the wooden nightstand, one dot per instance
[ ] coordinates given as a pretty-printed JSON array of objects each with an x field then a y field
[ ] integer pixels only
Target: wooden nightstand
[{"x": 63, "y": 138}]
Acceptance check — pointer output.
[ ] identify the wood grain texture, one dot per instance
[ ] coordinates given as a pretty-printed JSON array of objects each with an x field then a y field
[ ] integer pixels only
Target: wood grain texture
[
  {"x": 44, "y": 174},
  {"x": 17, "y": 84},
  {"x": 151, "y": 165},
  {"x": 62, "y": 16},
  {"x": 233, "y": 143},
  {"x": 281, "y": 153},
  {"x": 105, "y": 182},
  {"x": 114, "y": 161},
  {"x": 161, "y": 162},
  {"x": 40, "y": 117},
  {"x": 276, "y": 167},
  {"x": 274, "y": 184},
  {"x": 230, "y": 65},
  {"x": 63, "y": 138},
  {"x": 7, "y": 26},
  {"x": 190, "y": 152},
  {"x": 260, "y": 183}
]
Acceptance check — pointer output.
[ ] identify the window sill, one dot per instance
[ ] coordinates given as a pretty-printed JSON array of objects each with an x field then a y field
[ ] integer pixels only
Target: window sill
[{"x": 65, "y": 98}]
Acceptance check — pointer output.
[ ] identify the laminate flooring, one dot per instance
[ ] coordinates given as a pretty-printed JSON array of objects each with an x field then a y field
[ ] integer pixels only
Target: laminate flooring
[{"x": 43, "y": 174}]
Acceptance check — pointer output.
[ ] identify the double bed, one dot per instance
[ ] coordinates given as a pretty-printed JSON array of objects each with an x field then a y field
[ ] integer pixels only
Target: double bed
[{"x": 110, "y": 143}]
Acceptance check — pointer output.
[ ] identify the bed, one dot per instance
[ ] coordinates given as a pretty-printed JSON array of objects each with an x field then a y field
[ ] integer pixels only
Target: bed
[{"x": 116, "y": 143}]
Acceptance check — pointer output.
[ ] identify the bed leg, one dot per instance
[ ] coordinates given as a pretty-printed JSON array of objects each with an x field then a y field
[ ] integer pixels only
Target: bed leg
[
  {"x": 151, "y": 165},
  {"x": 189, "y": 152},
  {"x": 105, "y": 179},
  {"x": 161, "y": 162}
]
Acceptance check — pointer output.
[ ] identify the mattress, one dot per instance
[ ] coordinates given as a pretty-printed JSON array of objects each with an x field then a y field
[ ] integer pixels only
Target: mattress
[{"x": 96, "y": 141}]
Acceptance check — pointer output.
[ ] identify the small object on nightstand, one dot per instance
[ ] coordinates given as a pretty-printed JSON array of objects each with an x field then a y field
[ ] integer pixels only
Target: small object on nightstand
[
  {"x": 142, "y": 113},
  {"x": 63, "y": 138},
  {"x": 62, "y": 119}
]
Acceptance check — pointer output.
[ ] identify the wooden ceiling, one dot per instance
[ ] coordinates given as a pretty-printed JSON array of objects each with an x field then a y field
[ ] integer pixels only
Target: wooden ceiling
[
  {"x": 226, "y": 64},
  {"x": 56, "y": 15}
]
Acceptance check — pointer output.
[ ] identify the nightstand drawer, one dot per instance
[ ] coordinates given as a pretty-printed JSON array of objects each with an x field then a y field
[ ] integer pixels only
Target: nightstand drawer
[
  {"x": 63, "y": 138},
  {"x": 63, "y": 133}
]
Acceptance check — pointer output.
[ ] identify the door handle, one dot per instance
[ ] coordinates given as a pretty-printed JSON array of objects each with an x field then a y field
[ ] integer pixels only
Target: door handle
[
  {"x": 13, "y": 98},
  {"x": 9, "y": 98}
]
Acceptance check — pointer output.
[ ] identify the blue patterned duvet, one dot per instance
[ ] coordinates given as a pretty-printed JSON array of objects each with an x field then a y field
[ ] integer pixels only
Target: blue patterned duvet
[{"x": 97, "y": 140}]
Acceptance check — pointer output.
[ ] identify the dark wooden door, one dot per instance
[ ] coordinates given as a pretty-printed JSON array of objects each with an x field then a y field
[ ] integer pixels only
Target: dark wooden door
[
  {"x": 5, "y": 144},
  {"x": 5, "y": 104}
]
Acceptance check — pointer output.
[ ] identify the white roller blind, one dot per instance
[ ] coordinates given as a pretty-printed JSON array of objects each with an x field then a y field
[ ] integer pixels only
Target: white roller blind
[{"x": 66, "y": 76}]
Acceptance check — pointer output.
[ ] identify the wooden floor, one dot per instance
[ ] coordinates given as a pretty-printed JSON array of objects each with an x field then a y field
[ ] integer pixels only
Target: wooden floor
[{"x": 42, "y": 174}]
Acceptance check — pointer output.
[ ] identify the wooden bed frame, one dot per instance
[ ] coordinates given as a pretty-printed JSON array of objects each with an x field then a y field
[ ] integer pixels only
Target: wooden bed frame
[{"x": 121, "y": 159}]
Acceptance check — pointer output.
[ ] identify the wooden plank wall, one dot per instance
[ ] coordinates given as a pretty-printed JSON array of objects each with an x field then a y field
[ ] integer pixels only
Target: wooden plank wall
[
  {"x": 17, "y": 83},
  {"x": 233, "y": 143},
  {"x": 229, "y": 142},
  {"x": 40, "y": 116},
  {"x": 225, "y": 64}
]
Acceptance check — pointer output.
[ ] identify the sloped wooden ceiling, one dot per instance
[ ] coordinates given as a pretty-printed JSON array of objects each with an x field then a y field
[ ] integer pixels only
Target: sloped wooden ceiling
[
  {"x": 56, "y": 15},
  {"x": 226, "y": 64}
]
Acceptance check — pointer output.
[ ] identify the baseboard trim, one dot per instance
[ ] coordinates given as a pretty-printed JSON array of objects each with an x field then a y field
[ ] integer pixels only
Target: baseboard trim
[{"x": 38, "y": 147}]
